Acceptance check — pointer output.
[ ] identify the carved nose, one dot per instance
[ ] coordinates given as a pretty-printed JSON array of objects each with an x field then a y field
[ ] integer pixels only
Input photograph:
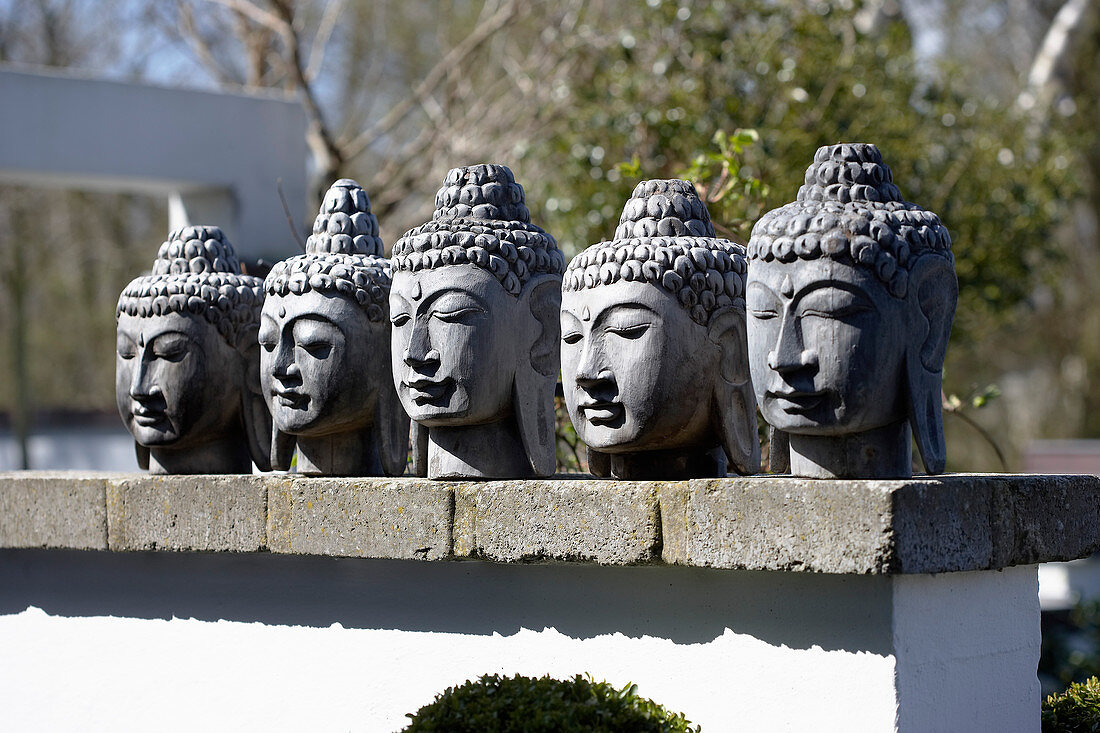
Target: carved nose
[
  {"x": 141, "y": 386},
  {"x": 428, "y": 358},
  {"x": 789, "y": 362},
  {"x": 585, "y": 378}
]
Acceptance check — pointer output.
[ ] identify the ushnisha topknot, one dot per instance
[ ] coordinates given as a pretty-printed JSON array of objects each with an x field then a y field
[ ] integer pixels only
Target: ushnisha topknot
[
  {"x": 849, "y": 209},
  {"x": 345, "y": 224},
  {"x": 343, "y": 255},
  {"x": 665, "y": 237},
  {"x": 197, "y": 272},
  {"x": 481, "y": 219}
]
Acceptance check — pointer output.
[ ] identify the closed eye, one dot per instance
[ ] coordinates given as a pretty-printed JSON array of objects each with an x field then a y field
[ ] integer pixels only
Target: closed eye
[
  {"x": 317, "y": 349},
  {"x": 837, "y": 313},
  {"x": 572, "y": 337},
  {"x": 400, "y": 319},
  {"x": 455, "y": 316},
  {"x": 764, "y": 314},
  {"x": 630, "y": 332},
  {"x": 170, "y": 354}
]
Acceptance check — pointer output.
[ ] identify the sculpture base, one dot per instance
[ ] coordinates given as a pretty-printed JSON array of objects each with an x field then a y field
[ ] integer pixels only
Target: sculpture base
[
  {"x": 218, "y": 456},
  {"x": 353, "y": 453},
  {"x": 882, "y": 453},
  {"x": 658, "y": 465},
  {"x": 490, "y": 451}
]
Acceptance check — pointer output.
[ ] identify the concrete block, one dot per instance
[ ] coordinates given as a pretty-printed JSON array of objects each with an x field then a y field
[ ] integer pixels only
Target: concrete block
[
  {"x": 399, "y": 518},
  {"x": 954, "y": 522},
  {"x": 777, "y": 523},
  {"x": 200, "y": 513},
  {"x": 53, "y": 509},
  {"x": 606, "y": 522},
  {"x": 1052, "y": 518}
]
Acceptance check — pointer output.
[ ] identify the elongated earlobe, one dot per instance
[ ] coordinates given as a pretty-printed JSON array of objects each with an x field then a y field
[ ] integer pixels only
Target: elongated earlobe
[
  {"x": 926, "y": 416},
  {"x": 392, "y": 426},
  {"x": 533, "y": 386},
  {"x": 933, "y": 295},
  {"x": 418, "y": 437},
  {"x": 734, "y": 407},
  {"x": 254, "y": 413},
  {"x": 142, "y": 456},
  {"x": 282, "y": 450}
]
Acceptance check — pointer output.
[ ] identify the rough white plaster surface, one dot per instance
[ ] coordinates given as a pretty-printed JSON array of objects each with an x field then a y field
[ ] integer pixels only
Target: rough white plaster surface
[
  {"x": 967, "y": 646},
  {"x": 119, "y": 674}
]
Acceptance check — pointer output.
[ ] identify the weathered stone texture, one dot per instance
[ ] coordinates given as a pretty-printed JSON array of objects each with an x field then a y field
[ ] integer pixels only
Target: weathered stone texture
[
  {"x": 920, "y": 525},
  {"x": 201, "y": 513},
  {"x": 606, "y": 522},
  {"x": 53, "y": 509},
  {"x": 778, "y": 524},
  {"x": 375, "y": 517}
]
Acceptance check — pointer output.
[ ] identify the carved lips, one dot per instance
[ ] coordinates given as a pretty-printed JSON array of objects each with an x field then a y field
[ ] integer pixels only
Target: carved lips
[
  {"x": 290, "y": 398},
  {"x": 796, "y": 403},
  {"x": 148, "y": 416},
  {"x": 430, "y": 392},
  {"x": 601, "y": 412}
]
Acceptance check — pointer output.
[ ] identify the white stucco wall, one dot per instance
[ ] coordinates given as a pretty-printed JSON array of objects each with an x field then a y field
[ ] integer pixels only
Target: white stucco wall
[
  {"x": 168, "y": 641},
  {"x": 108, "y": 673}
]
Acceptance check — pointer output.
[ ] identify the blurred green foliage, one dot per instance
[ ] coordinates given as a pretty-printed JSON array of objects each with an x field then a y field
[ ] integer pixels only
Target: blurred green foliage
[
  {"x": 496, "y": 704},
  {"x": 1071, "y": 650},
  {"x": 1077, "y": 710},
  {"x": 683, "y": 73}
]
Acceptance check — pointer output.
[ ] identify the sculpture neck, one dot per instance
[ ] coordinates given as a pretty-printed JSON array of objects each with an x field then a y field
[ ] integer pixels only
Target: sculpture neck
[
  {"x": 493, "y": 450},
  {"x": 222, "y": 455},
  {"x": 351, "y": 453},
  {"x": 668, "y": 465},
  {"x": 885, "y": 452}
]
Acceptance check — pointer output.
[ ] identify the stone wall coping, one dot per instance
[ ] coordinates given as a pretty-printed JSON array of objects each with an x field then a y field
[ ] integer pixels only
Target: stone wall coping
[{"x": 927, "y": 524}]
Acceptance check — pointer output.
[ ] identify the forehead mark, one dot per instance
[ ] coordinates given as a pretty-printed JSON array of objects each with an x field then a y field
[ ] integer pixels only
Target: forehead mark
[
  {"x": 787, "y": 287},
  {"x": 282, "y": 311},
  {"x": 416, "y": 291},
  {"x": 586, "y": 315}
]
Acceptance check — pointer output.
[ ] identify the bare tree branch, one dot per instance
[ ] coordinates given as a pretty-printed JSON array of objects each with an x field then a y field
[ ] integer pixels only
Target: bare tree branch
[
  {"x": 1059, "y": 43},
  {"x": 256, "y": 13},
  {"x": 194, "y": 39},
  {"x": 483, "y": 32},
  {"x": 321, "y": 39}
]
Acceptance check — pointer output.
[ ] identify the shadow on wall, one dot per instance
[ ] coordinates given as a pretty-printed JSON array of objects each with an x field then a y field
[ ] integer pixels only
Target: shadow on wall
[{"x": 684, "y": 605}]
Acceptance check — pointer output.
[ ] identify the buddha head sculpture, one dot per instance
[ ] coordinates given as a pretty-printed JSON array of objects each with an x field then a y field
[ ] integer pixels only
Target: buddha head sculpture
[
  {"x": 474, "y": 307},
  {"x": 851, "y": 294},
  {"x": 654, "y": 359},
  {"x": 187, "y": 368},
  {"x": 325, "y": 348}
]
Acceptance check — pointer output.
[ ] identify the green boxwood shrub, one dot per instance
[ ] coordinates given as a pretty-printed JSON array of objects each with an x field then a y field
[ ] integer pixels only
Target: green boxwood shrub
[
  {"x": 495, "y": 704},
  {"x": 1077, "y": 710}
]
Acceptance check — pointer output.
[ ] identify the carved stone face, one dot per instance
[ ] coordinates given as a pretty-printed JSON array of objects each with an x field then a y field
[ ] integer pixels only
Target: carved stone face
[
  {"x": 636, "y": 370},
  {"x": 319, "y": 363},
  {"x": 177, "y": 382},
  {"x": 827, "y": 347},
  {"x": 456, "y": 334}
]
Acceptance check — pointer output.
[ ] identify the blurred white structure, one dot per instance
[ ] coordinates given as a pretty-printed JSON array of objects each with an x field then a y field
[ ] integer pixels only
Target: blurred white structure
[{"x": 215, "y": 157}]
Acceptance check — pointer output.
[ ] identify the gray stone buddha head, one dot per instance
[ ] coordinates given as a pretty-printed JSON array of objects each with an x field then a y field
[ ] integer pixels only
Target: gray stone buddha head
[
  {"x": 654, "y": 358},
  {"x": 474, "y": 307},
  {"x": 851, "y": 294},
  {"x": 325, "y": 348},
  {"x": 187, "y": 368}
]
